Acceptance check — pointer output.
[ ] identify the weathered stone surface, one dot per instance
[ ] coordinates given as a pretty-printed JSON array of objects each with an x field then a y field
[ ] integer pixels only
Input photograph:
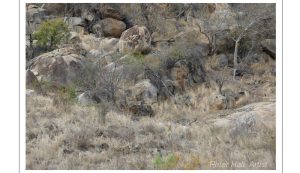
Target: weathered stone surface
[
  {"x": 135, "y": 39},
  {"x": 269, "y": 47},
  {"x": 35, "y": 15},
  {"x": 109, "y": 27},
  {"x": 144, "y": 91},
  {"x": 109, "y": 12},
  {"x": 86, "y": 98},
  {"x": 103, "y": 45},
  {"x": 75, "y": 21},
  {"x": 93, "y": 54},
  {"x": 76, "y": 24},
  {"x": 248, "y": 120},
  {"x": 61, "y": 65},
  {"x": 31, "y": 80},
  {"x": 88, "y": 14}
]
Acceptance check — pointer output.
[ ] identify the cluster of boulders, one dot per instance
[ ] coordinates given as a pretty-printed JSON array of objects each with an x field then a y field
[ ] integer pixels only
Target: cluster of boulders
[
  {"x": 61, "y": 65},
  {"x": 98, "y": 34}
]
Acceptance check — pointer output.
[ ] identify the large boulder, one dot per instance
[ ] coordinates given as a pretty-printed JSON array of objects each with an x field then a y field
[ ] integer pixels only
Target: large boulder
[
  {"x": 35, "y": 15},
  {"x": 75, "y": 21},
  {"x": 249, "y": 120},
  {"x": 109, "y": 27},
  {"x": 55, "y": 9},
  {"x": 135, "y": 39},
  {"x": 269, "y": 47},
  {"x": 86, "y": 98},
  {"x": 103, "y": 45},
  {"x": 76, "y": 24},
  {"x": 88, "y": 14},
  {"x": 143, "y": 91},
  {"x": 61, "y": 65},
  {"x": 109, "y": 12},
  {"x": 254, "y": 125},
  {"x": 109, "y": 45},
  {"x": 31, "y": 80}
]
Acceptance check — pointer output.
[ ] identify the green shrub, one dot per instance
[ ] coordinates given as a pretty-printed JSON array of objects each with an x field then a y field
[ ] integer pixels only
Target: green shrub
[
  {"x": 64, "y": 97},
  {"x": 133, "y": 66},
  {"x": 138, "y": 56},
  {"x": 167, "y": 162},
  {"x": 71, "y": 92},
  {"x": 51, "y": 33}
]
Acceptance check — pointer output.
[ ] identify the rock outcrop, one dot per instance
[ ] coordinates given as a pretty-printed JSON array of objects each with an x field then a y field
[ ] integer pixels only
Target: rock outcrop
[
  {"x": 61, "y": 65},
  {"x": 86, "y": 98},
  {"x": 76, "y": 24},
  {"x": 103, "y": 45},
  {"x": 109, "y": 27},
  {"x": 250, "y": 119},
  {"x": 109, "y": 12},
  {"x": 135, "y": 39},
  {"x": 35, "y": 15},
  {"x": 143, "y": 91},
  {"x": 31, "y": 80},
  {"x": 269, "y": 47}
]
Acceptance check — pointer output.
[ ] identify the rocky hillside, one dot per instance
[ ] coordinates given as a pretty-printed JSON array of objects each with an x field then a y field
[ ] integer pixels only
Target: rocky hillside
[{"x": 150, "y": 86}]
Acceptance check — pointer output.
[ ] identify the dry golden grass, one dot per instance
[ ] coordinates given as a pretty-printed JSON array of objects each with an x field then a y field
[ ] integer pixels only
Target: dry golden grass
[
  {"x": 178, "y": 137},
  {"x": 61, "y": 134}
]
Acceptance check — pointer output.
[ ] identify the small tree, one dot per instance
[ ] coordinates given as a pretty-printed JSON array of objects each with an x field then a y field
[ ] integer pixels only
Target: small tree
[
  {"x": 109, "y": 81},
  {"x": 51, "y": 33},
  {"x": 213, "y": 26},
  {"x": 220, "y": 77},
  {"x": 105, "y": 81},
  {"x": 252, "y": 22}
]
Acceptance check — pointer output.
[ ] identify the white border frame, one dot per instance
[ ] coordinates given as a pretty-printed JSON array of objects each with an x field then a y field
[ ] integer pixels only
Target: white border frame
[{"x": 278, "y": 77}]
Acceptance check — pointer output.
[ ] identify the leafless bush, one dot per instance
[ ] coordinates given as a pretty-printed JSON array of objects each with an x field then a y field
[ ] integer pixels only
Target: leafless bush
[
  {"x": 253, "y": 23},
  {"x": 220, "y": 77},
  {"x": 109, "y": 82},
  {"x": 213, "y": 28},
  {"x": 80, "y": 138},
  {"x": 103, "y": 82}
]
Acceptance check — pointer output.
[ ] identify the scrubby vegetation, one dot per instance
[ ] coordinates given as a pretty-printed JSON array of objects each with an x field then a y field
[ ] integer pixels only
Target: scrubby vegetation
[
  {"x": 183, "y": 86},
  {"x": 51, "y": 33}
]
